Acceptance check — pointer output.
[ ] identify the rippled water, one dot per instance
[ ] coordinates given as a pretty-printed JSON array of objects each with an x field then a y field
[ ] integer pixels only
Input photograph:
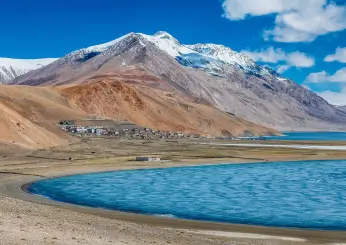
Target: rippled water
[
  {"x": 305, "y": 194},
  {"x": 314, "y": 136}
]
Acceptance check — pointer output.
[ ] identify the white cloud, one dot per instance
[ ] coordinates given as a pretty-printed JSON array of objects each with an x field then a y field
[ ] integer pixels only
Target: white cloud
[
  {"x": 334, "y": 98},
  {"x": 240, "y": 9},
  {"x": 282, "y": 68},
  {"x": 296, "y": 20},
  {"x": 317, "y": 77},
  {"x": 339, "y": 55},
  {"x": 339, "y": 76},
  {"x": 269, "y": 55},
  {"x": 323, "y": 76},
  {"x": 274, "y": 56},
  {"x": 299, "y": 59}
]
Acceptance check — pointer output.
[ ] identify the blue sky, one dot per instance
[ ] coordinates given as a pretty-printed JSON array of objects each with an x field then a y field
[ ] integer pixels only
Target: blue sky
[{"x": 292, "y": 36}]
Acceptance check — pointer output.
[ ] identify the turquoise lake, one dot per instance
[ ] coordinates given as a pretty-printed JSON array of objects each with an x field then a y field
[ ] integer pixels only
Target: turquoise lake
[
  {"x": 314, "y": 136},
  {"x": 302, "y": 194}
]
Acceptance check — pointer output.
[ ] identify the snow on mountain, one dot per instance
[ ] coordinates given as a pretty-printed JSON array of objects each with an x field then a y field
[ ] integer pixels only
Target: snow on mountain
[
  {"x": 168, "y": 43},
  {"x": 12, "y": 68},
  {"x": 213, "y": 59},
  {"x": 183, "y": 54},
  {"x": 162, "y": 40},
  {"x": 223, "y": 53},
  {"x": 232, "y": 57},
  {"x": 208, "y": 57},
  {"x": 92, "y": 51}
]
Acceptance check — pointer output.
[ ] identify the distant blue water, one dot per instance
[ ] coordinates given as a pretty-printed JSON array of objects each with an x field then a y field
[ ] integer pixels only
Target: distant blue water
[
  {"x": 330, "y": 136},
  {"x": 304, "y": 194}
]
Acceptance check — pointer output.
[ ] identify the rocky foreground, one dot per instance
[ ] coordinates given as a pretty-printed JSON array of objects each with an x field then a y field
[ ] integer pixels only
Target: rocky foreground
[
  {"x": 27, "y": 223},
  {"x": 32, "y": 224}
]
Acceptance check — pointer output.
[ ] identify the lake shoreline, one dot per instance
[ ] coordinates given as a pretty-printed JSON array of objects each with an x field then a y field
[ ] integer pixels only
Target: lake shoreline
[
  {"x": 179, "y": 231},
  {"x": 311, "y": 136},
  {"x": 21, "y": 192},
  {"x": 53, "y": 187},
  {"x": 290, "y": 146}
]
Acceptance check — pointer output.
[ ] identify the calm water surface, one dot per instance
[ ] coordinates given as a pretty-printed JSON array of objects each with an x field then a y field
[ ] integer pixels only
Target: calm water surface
[
  {"x": 330, "y": 136},
  {"x": 305, "y": 194}
]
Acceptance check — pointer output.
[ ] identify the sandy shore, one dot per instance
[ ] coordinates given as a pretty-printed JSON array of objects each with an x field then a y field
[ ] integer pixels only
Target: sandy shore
[{"x": 28, "y": 219}]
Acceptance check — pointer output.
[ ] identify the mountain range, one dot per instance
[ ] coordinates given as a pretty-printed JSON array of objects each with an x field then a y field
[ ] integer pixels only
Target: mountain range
[
  {"x": 12, "y": 68},
  {"x": 213, "y": 59},
  {"x": 156, "y": 81},
  {"x": 207, "y": 73}
]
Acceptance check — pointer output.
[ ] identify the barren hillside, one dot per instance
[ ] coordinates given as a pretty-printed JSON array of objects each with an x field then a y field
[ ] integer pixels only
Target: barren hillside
[
  {"x": 155, "y": 108},
  {"x": 29, "y": 115}
]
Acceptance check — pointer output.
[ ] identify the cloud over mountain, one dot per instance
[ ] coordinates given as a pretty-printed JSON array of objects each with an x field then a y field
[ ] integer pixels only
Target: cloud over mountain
[
  {"x": 323, "y": 76},
  {"x": 322, "y": 79},
  {"x": 335, "y": 98},
  {"x": 275, "y": 56}
]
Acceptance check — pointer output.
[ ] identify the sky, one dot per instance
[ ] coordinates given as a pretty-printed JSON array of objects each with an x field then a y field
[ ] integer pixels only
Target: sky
[{"x": 303, "y": 40}]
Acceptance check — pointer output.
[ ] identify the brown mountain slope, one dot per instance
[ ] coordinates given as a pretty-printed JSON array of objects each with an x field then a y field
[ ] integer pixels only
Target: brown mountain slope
[
  {"x": 155, "y": 109},
  {"x": 29, "y": 115}
]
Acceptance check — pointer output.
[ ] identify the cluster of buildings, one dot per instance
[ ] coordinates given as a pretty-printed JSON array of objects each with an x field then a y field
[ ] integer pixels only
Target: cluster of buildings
[
  {"x": 146, "y": 133},
  {"x": 122, "y": 130},
  {"x": 132, "y": 131},
  {"x": 148, "y": 159},
  {"x": 83, "y": 130}
]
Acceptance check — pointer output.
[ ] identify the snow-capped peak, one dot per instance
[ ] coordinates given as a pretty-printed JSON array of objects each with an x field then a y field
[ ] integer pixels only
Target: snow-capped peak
[
  {"x": 163, "y": 34},
  {"x": 105, "y": 46},
  {"x": 93, "y": 50},
  {"x": 223, "y": 53},
  {"x": 161, "y": 39},
  {"x": 12, "y": 68},
  {"x": 232, "y": 57},
  {"x": 167, "y": 43},
  {"x": 25, "y": 64},
  {"x": 183, "y": 54},
  {"x": 166, "y": 35},
  {"x": 211, "y": 58}
]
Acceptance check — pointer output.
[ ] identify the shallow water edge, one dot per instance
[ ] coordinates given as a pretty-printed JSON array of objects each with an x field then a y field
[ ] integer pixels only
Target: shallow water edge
[{"x": 152, "y": 205}]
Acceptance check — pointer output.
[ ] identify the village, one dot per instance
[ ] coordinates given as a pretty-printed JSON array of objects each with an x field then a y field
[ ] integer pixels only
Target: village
[
  {"x": 128, "y": 130},
  {"x": 124, "y": 129}
]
